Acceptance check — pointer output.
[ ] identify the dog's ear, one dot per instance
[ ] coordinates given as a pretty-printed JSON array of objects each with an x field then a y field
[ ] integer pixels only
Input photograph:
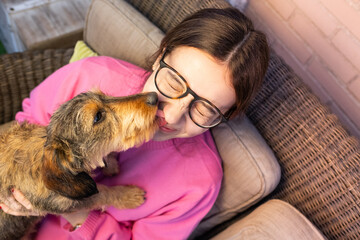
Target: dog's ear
[{"x": 59, "y": 178}]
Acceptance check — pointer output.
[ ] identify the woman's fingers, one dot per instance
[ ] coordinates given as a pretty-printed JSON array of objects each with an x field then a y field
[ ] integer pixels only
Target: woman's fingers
[
  {"x": 11, "y": 211},
  {"x": 18, "y": 205},
  {"x": 11, "y": 203},
  {"x": 20, "y": 198}
]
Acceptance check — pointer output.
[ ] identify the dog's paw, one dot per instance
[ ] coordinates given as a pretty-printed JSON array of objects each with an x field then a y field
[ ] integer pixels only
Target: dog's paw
[{"x": 129, "y": 197}]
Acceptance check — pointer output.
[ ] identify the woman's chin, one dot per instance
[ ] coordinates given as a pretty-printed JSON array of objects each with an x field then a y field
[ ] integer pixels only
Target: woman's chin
[
  {"x": 163, "y": 136},
  {"x": 166, "y": 135}
]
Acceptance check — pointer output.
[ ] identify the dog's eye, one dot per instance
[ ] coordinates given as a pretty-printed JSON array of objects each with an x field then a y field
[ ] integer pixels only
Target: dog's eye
[{"x": 99, "y": 116}]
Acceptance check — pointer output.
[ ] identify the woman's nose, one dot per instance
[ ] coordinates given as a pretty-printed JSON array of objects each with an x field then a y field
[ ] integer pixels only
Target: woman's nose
[{"x": 176, "y": 110}]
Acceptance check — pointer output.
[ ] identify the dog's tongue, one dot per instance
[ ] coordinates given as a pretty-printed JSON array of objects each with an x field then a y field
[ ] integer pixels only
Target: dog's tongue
[{"x": 161, "y": 122}]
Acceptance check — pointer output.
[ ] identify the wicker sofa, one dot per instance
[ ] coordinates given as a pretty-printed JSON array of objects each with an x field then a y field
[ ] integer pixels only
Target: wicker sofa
[{"x": 319, "y": 160}]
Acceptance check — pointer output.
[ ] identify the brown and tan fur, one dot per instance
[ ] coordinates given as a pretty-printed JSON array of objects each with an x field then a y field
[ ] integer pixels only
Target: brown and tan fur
[{"x": 51, "y": 165}]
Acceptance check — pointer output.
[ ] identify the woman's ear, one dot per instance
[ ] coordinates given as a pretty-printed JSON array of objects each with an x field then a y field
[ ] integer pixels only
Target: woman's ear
[{"x": 58, "y": 176}]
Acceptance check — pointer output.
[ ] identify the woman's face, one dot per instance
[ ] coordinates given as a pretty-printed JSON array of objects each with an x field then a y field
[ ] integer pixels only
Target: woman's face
[{"x": 207, "y": 77}]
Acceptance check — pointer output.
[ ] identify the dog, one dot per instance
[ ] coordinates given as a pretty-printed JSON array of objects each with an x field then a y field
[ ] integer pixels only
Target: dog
[{"x": 51, "y": 165}]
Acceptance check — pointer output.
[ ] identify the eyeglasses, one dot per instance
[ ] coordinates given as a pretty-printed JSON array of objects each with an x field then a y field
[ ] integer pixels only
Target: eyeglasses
[{"x": 172, "y": 85}]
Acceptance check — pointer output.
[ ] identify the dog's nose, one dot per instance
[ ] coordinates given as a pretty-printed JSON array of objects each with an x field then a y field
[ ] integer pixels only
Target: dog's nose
[{"x": 152, "y": 98}]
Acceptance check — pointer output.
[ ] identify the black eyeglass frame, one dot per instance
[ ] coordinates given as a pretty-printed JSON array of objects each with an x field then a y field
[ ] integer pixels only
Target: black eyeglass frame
[{"x": 163, "y": 64}]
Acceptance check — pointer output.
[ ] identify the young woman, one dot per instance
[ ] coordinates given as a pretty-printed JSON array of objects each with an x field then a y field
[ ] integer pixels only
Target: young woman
[{"x": 207, "y": 70}]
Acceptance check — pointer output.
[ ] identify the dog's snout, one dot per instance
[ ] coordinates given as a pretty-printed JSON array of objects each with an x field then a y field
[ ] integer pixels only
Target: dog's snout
[{"x": 152, "y": 98}]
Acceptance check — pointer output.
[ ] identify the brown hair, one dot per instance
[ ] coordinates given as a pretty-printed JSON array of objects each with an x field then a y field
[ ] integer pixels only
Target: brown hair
[{"x": 229, "y": 36}]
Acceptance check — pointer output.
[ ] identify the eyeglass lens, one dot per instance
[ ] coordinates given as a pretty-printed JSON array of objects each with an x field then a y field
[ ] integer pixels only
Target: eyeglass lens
[{"x": 169, "y": 83}]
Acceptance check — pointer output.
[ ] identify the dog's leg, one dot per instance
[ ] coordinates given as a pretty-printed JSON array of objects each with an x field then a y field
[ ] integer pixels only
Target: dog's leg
[{"x": 118, "y": 196}]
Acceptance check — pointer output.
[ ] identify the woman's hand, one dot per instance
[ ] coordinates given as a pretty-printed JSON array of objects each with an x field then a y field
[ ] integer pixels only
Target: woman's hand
[{"x": 18, "y": 205}]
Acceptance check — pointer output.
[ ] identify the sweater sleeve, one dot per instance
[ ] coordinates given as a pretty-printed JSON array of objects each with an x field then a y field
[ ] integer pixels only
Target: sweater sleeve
[
  {"x": 109, "y": 75},
  {"x": 174, "y": 221},
  {"x": 101, "y": 225},
  {"x": 177, "y": 199},
  {"x": 178, "y": 219}
]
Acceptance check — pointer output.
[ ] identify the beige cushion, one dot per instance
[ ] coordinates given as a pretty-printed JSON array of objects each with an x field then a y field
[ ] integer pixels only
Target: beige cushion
[
  {"x": 275, "y": 220},
  {"x": 114, "y": 28},
  {"x": 251, "y": 171}
]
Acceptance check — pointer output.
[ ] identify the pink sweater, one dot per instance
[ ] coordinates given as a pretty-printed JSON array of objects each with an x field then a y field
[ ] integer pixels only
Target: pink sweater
[{"x": 182, "y": 177}]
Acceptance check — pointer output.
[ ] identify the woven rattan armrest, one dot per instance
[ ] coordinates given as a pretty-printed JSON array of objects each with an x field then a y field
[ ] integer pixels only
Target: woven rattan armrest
[
  {"x": 21, "y": 72},
  {"x": 319, "y": 159}
]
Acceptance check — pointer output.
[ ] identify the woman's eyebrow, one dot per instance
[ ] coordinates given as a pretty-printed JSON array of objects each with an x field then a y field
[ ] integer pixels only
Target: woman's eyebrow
[{"x": 172, "y": 73}]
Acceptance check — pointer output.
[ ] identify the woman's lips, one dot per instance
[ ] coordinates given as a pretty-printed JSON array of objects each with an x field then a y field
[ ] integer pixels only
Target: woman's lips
[{"x": 165, "y": 129}]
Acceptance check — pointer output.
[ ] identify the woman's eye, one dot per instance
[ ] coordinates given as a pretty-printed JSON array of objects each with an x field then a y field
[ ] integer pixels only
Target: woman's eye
[
  {"x": 204, "y": 111},
  {"x": 176, "y": 88},
  {"x": 98, "y": 117},
  {"x": 174, "y": 83},
  {"x": 203, "y": 114}
]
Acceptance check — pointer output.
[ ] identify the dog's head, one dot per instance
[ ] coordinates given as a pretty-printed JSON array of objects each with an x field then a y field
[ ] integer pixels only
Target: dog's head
[{"x": 88, "y": 127}]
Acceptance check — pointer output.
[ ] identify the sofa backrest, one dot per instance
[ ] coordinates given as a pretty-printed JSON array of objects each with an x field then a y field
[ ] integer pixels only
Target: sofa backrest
[{"x": 167, "y": 14}]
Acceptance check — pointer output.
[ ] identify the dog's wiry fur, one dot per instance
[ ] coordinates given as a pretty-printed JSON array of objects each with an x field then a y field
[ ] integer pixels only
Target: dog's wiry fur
[{"x": 51, "y": 165}]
